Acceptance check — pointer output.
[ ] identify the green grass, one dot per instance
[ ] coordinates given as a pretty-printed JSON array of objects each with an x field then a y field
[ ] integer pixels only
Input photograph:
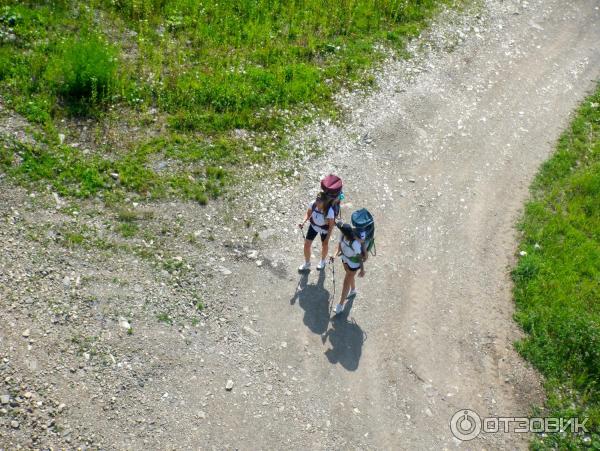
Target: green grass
[
  {"x": 164, "y": 318},
  {"x": 208, "y": 72},
  {"x": 557, "y": 282},
  {"x": 127, "y": 215},
  {"x": 82, "y": 71},
  {"x": 72, "y": 173},
  {"x": 172, "y": 265},
  {"x": 127, "y": 229},
  {"x": 74, "y": 239}
]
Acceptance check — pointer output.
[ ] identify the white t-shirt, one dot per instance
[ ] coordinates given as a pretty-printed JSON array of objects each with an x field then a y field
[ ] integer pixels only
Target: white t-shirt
[
  {"x": 349, "y": 251},
  {"x": 319, "y": 220}
]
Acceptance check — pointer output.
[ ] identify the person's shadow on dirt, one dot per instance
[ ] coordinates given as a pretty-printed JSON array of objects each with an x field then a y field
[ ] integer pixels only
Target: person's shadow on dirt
[
  {"x": 314, "y": 300},
  {"x": 346, "y": 339}
]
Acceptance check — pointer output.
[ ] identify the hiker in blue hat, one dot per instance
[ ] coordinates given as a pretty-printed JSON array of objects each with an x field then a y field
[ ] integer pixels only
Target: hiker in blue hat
[{"x": 350, "y": 248}]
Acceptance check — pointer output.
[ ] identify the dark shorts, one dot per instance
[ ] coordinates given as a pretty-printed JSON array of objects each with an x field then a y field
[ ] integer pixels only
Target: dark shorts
[
  {"x": 350, "y": 269},
  {"x": 312, "y": 233}
]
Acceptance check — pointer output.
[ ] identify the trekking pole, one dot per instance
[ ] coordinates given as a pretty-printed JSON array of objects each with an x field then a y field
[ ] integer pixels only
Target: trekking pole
[
  {"x": 331, "y": 262},
  {"x": 301, "y": 227},
  {"x": 333, "y": 275}
]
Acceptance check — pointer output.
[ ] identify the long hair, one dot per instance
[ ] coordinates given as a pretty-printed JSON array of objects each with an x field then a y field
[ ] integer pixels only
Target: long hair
[
  {"x": 347, "y": 231},
  {"x": 325, "y": 202}
]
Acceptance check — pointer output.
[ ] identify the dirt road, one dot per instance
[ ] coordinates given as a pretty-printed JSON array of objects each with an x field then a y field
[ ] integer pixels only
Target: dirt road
[
  {"x": 442, "y": 156},
  {"x": 447, "y": 170}
]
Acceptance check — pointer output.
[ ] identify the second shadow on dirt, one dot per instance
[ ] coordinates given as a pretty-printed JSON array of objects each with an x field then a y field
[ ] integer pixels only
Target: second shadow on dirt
[{"x": 345, "y": 337}]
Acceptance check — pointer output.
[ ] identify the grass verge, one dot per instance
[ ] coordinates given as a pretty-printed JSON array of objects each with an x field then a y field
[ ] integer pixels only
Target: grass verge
[
  {"x": 215, "y": 84},
  {"x": 557, "y": 280}
]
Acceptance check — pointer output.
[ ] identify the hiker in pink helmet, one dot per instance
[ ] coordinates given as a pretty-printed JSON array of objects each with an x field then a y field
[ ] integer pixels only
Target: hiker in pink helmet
[{"x": 322, "y": 213}]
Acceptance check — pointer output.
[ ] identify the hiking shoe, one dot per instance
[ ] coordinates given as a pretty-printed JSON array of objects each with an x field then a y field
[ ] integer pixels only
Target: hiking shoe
[
  {"x": 322, "y": 264},
  {"x": 339, "y": 309},
  {"x": 304, "y": 267},
  {"x": 351, "y": 294}
]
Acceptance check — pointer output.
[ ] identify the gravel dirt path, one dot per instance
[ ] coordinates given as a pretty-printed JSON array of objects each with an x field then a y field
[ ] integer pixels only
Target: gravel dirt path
[
  {"x": 449, "y": 160},
  {"x": 442, "y": 155}
]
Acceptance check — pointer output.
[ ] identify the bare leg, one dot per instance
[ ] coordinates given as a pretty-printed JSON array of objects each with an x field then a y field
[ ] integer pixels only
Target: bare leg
[
  {"x": 352, "y": 276},
  {"x": 325, "y": 249},
  {"x": 307, "y": 246},
  {"x": 348, "y": 282}
]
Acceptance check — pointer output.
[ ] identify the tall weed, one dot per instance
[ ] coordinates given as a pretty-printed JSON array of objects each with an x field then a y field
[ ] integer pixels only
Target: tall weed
[{"x": 83, "y": 70}]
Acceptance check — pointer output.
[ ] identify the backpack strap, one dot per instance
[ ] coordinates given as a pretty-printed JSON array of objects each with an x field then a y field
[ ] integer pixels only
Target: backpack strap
[
  {"x": 354, "y": 258},
  {"x": 312, "y": 221}
]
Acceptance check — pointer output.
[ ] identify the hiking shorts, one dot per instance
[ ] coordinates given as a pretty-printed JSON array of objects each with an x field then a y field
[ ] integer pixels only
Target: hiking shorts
[
  {"x": 312, "y": 233},
  {"x": 350, "y": 268}
]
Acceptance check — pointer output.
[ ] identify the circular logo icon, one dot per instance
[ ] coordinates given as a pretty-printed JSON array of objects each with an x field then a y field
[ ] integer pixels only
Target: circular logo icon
[{"x": 465, "y": 425}]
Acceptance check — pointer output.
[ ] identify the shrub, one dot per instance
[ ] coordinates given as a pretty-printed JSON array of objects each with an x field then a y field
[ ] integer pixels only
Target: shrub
[{"x": 83, "y": 70}]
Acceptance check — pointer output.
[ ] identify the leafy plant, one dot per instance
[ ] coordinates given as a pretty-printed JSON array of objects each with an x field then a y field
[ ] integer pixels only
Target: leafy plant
[{"x": 83, "y": 70}]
